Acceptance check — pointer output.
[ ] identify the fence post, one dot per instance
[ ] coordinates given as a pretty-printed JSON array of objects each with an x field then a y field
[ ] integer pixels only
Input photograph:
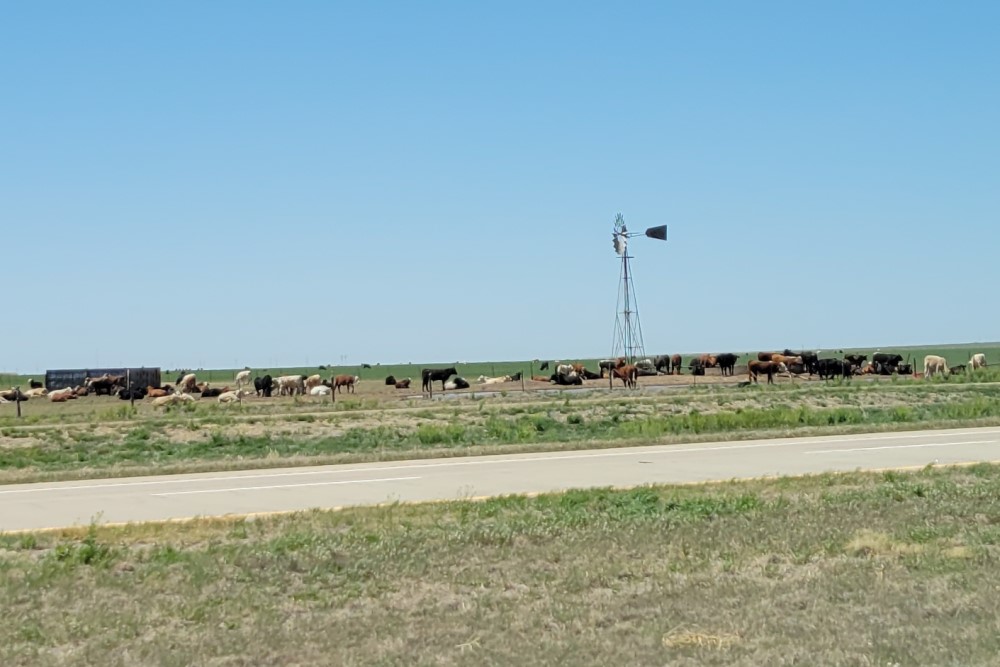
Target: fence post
[
  {"x": 522, "y": 382},
  {"x": 17, "y": 399}
]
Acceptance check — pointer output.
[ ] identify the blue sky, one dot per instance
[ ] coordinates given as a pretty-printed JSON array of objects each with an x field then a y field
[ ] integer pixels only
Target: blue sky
[{"x": 228, "y": 183}]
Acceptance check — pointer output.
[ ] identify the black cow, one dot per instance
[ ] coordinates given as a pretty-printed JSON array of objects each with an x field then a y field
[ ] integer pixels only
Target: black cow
[
  {"x": 727, "y": 362},
  {"x": 264, "y": 386},
  {"x": 213, "y": 392},
  {"x": 138, "y": 394},
  {"x": 460, "y": 383},
  {"x": 102, "y": 385},
  {"x": 886, "y": 364},
  {"x": 35, "y": 384},
  {"x": 590, "y": 375},
  {"x": 809, "y": 359},
  {"x": 662, "y": 363},
  {"x": 796, "y": 369},
  {"x": 856, "y": 359},
  {"x": 904, "y": 369},
  {"x": 566, "y": 380},
  {"x": 390, "y": 381},
  {"x": 428, "y": 375},
  {"x": 957, "y": 370},
  {"x": 516, "y": 377},
  {"x": 831, "y": 368},
  {"x": 544, "y": 366}
]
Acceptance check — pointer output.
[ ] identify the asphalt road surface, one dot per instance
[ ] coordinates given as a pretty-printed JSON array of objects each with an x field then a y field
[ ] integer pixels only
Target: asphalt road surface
[{"x": 56, "y": 505}]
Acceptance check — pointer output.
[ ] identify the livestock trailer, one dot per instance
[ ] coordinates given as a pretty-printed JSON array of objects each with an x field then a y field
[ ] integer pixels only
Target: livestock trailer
[{"x": 140, "y": 377}]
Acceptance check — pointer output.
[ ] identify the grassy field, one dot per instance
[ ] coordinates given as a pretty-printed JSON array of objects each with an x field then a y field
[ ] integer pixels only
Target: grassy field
[
  {"x": 859, "y": 569},
  {"x": 115, "y": 441},
  {"x": 954, "y": 353}
]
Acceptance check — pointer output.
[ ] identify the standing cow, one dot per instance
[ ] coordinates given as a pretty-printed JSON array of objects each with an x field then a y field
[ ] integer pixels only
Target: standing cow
[{"x": 934, "y": 365}]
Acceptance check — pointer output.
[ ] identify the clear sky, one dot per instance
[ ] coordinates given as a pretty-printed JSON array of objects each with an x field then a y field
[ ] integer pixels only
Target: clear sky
[{"x": 206, "y": 184}]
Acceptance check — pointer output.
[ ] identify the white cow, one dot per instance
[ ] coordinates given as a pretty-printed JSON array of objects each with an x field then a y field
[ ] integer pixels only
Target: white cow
[
  {"x": 187, "y": 383},
  {"x": 172, "y": 399},
  {"x": 60, "y": 395},
  {"x": 934, "y": 364},
  {"x": 977, "y": 361},
  {"x": 233, "y": 396},
  {"x": 290, "y": 385},
  {"x": 497, "y": 380},
  {"x": 320, "y": 390},
  {"x": 242, "y": 378}
]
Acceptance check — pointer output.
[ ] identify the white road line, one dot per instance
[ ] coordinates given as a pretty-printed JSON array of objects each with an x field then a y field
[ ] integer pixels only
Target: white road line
[
  {"x": 926, "y": 444},
  {"x": 647, "y": 450},
  {"x": 283, "y": 486}
]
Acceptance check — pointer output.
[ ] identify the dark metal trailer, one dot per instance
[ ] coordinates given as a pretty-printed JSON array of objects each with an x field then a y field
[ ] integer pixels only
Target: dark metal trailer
[{"x": 139, "y": 377}]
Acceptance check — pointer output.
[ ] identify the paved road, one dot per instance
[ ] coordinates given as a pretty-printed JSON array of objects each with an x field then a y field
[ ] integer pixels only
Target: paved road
[{"x": 49, "y": 505}]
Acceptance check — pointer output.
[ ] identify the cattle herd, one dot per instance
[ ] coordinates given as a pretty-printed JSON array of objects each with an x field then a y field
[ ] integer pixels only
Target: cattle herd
[{"x": 787, "y": 363}]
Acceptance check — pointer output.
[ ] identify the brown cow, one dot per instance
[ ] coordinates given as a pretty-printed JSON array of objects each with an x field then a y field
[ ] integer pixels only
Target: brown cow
[
  {"x": 769, "y": 368},
  {"x": 783, "y": 359},
  {"x": 153, "y": 392},
  {"x": 540, "y": 378},
  {"x": 349, "y": 381},
  {"x": 766, "y": 356},
  {"x": 708, "y": 361},
  {"x": 403, "y": 384},
  {"x": 627, "y": 374},
  {"x": 675, "y": 364}
]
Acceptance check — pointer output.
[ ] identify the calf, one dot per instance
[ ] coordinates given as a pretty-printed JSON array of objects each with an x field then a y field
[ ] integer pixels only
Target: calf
[
  {"x": 403, "y": 384},
  {"x": 628, "y": 374},
  {"x": 977, "y": 361},
  {"x": 389, "y": 381}
]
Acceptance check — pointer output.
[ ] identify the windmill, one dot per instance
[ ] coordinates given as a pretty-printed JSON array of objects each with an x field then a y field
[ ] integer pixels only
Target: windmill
[{"x": 627, "y": 338}]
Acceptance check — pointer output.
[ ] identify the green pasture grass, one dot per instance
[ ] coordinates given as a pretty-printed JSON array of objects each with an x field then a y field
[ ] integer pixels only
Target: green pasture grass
[
  {"x": 955, "y": 354},
  {"x": 186, "y": 441},
  {"x": 894, "y": 568}
]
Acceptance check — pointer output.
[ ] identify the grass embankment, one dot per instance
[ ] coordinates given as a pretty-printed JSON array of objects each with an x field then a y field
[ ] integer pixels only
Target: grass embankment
[
  {"x": 861, "y": 569},
  {"x": 178, "y": 443}
]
